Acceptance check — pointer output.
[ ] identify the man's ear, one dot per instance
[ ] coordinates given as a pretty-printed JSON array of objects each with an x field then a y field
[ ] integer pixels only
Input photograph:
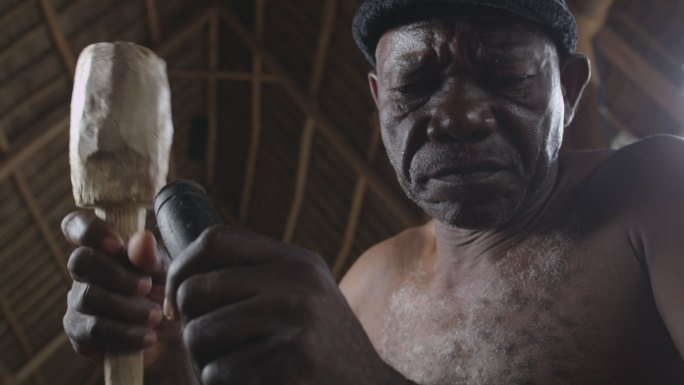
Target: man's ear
[
  {"x": 575, "y": 72},
  {"x": 373, "y": 83}
]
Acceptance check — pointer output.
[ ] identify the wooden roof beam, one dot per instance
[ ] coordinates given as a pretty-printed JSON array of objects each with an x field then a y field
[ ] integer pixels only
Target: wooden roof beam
[
  {"x": 63, "y": 47},
  {"x": 153, "y": 21},
  {"x": 212, "y": 100},
  {"x": 306, "y": 141},
  {"x": 357, "y": 202},
  {"x": 654, "y": 84},
  {"x": 257, "y": 89},
  {"x": 325, "y": 125},
  {"x": 328, "y": 23}
]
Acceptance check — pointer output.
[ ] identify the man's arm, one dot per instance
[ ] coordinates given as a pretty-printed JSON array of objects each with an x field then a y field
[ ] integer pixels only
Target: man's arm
[
  {"x": 647, "y": 183},
  {"x": 662, "y": 232}
]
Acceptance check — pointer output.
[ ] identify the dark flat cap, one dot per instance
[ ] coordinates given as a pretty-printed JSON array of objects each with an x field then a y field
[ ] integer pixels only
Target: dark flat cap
[{"x": 374, "y": 17}]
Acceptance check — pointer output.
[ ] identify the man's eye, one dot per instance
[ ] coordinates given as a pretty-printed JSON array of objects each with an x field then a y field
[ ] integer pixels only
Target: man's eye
[
  {"x": 509, "y": 81},
  {"x": 416, "y": 89},
  {"x": 410, "y": 96}
]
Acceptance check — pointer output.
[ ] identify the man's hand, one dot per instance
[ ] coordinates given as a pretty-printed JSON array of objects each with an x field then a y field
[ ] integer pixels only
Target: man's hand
[
  {"x": 256, "y": 311},
  {"x": 115, "y": 300}
]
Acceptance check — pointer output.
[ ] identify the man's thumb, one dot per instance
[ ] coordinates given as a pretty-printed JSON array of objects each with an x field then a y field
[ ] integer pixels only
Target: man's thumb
[{"x": 146, "y": 256}]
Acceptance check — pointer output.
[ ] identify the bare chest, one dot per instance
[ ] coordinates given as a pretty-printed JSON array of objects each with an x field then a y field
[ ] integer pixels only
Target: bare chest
[{"x": 532, "y": 319}]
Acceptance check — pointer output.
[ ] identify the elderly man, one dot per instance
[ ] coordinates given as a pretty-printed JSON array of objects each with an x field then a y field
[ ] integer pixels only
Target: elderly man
[{"x": 537, "y": 268}]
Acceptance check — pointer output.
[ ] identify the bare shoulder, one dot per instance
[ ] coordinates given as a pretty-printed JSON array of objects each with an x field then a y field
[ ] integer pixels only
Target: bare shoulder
[
  {"x": 651, "y": 174},
  {"x": 662, "y": 152},
  {"x": 384, "y": 265},
  {"x": 649, "y": 158},
  {"x": 636, "y": 190},
  {"x": 650, "y": 169}
]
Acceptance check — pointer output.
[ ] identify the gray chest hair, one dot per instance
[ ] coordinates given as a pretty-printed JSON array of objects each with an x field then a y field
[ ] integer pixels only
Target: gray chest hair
[{"x": 507, "y": 330}]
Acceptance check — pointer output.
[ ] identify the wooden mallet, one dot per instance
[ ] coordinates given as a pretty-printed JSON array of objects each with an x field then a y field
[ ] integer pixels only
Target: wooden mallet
[{"x": 120, "y": 139}]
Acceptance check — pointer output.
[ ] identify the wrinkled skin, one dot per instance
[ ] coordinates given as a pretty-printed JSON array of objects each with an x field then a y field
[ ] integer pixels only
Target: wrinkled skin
[{"x": 472, "y": 114}]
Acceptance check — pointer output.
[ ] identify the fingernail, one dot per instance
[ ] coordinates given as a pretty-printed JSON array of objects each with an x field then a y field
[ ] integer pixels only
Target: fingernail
[
  {"x": 149, "y": 339},
  {"x": 155, "y": 316},
  {"x": 168, "y": 310},
  {"x": 144, "y": 286}
]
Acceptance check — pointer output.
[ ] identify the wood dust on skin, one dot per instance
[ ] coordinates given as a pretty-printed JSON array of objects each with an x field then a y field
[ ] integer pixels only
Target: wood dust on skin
[{"x": 507, "y": 329}]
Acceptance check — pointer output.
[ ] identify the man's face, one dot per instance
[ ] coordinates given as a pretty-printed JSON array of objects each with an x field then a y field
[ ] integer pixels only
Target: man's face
[{"x": 472, "y": 114}]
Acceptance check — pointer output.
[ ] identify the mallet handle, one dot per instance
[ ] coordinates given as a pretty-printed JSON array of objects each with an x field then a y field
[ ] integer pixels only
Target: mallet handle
[{"x": 123, "y": 368}]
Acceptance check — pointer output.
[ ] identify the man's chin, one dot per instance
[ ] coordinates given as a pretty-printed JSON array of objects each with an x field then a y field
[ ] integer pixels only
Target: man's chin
[
  {"x": 471, "y": 216},
  {"x": 476, "y": 206}
]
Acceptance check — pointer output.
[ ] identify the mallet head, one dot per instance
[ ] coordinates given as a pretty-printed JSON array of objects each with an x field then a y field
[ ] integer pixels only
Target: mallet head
[{"x": 121, "y": 126}]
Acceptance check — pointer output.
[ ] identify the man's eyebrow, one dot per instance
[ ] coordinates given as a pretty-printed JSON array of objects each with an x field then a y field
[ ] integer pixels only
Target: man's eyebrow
[{"x": 415, "y": 59}]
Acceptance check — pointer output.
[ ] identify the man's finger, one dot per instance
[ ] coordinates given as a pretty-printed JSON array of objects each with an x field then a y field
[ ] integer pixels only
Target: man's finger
[
  {"x": 218, "y": 247},
  {"x": 93, "y": 300},
  {"x": 229, "y": 328},
  {"x": 91, "y": 266},
  {"x": 219, "y": 288},
  {"x": 83, "y": 228},
  {"x": 89, "y": 331}
]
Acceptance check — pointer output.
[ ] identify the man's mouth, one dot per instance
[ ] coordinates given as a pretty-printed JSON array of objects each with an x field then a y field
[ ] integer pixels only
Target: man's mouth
[
  {"x": 462, "y": 174},
  {"x": 465, "y": 177}
]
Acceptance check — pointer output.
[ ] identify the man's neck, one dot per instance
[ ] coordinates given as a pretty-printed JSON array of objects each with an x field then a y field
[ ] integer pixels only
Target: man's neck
[{"x": 464, "y": 249}]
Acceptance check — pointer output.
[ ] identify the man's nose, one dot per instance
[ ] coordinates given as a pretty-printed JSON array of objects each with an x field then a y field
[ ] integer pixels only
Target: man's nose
[{"x": 461, "y": 114}]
